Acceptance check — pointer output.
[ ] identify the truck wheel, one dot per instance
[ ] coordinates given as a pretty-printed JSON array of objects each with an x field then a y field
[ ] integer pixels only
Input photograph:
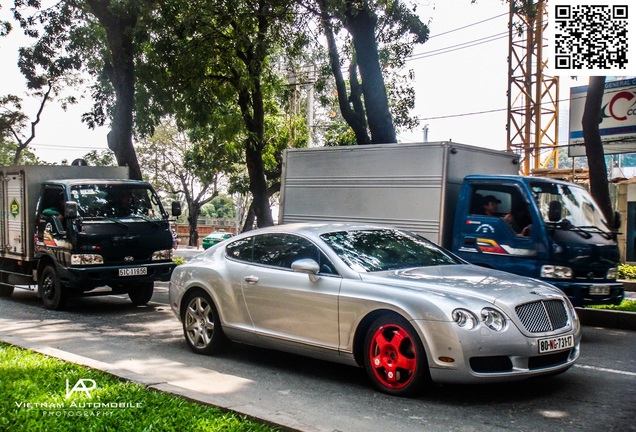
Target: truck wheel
[
  {"x": 202, "y": 325},
  {"x": 6, "y": 291},
  {"x": 142, "y": 293},
  {"x": 54, "y": 294},
  {"x": 394, "y": 358}
]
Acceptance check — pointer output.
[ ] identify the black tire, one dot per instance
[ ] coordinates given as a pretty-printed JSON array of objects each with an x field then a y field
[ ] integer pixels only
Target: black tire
[
  {"x": 54, "y": 295},
  {"x": 142, "y": 293},
  {"x": 394, "y": 357},
  {"x": 6, "y": 291},
  {"x": 201, "y": 324}
]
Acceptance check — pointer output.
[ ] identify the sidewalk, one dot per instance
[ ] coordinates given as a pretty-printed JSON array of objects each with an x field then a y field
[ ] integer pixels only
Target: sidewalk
[{"x": 611, "y": 318}]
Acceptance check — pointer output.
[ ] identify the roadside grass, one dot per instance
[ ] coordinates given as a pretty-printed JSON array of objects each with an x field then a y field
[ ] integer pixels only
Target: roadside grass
[
  {"x": 34, "y": 389},
  {"x": 626, "y": 306}
]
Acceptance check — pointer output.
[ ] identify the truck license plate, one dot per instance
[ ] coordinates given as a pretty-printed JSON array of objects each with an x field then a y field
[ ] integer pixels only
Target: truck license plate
[
  {"x": 600, "y": 290},
  {"x": 134, "y": 271},
  {"x": 556, "y": 344}
]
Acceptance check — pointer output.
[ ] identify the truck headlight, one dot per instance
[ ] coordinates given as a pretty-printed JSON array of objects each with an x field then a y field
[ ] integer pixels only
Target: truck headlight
[
  {"x": 162, "y": 255},
  {"x": 465, "y": 319},
  {"x": 493, "y": 319},
  {"x": 556, "y": 272},
  {"x": 86, "y": 259},
  {"x": 612, "y": 273}
]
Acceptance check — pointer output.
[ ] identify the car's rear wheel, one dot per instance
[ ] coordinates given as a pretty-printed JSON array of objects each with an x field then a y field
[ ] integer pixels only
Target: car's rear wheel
[
  {"x": 201, "y": 324},
  {"x": 54, "y": 294},
  {"x": 395, "y": 359}
]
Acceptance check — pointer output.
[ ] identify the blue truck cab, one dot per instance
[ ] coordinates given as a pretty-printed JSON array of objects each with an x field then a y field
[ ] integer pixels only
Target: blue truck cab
[{"x": 542, "y": 228}]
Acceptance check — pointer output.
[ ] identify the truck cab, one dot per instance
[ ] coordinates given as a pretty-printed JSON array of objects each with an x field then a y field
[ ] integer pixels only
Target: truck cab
[
  {"x": 541, "y": 228},
  {"x": 113, "y": 233}
]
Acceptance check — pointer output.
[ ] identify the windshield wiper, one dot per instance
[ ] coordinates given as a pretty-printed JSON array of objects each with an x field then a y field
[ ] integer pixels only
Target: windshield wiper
[
  {"x": 108, "y": 218},
  {"x": 567, "y": 225},
  {"x": 147, "y": 219},
  {"x": 607, "y": 235}
]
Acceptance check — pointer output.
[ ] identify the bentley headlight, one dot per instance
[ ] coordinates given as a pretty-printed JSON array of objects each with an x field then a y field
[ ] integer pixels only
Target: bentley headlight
[
  {"x": 162, "y": 255},
  {"x": 465, "y": 319},
  {"x": 493, "y": 319},
  {"x": 556, "y": 272},
  {"x": 86, "y": 259}
]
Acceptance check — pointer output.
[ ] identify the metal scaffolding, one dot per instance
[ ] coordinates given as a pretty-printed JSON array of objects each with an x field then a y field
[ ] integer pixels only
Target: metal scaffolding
[{"x": 533, "y": 109}]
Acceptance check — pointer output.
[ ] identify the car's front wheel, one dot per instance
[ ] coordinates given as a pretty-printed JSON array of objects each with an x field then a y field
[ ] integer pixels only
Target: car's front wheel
[
  {"x": 395, "y": 359},
  {"x": 201, "y": 324}
]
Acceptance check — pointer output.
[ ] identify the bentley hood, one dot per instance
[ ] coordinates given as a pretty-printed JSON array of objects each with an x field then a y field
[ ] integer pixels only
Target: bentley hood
[{"x": 468, "y": 281}]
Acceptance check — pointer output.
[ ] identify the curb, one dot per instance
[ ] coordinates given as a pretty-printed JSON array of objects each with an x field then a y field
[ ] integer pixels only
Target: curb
[{"x": 607, "y": 318}]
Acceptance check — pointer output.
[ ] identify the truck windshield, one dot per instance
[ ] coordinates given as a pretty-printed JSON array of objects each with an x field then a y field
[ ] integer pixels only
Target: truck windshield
[
  {"x": 578, "y": 209},
  {"x": 120, "y": 201}
]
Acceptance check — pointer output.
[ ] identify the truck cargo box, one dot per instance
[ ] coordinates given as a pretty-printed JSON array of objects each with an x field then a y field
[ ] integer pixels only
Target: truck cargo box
[
  {"x": 19, "y": 189},
  {"x": 410, "y": 186}
]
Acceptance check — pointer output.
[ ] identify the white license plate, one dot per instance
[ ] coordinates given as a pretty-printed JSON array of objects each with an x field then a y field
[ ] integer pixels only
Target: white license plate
[
  {"x": 134, "y": 271},
  {"x": 600, "y": 290},
  {"x": 556, "y": 344}
]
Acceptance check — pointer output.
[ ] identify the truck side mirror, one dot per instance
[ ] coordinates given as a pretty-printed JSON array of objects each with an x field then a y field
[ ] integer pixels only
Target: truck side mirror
[
  {"x": 71, "y": 210},
  {"x": 554, "y": 211},
  {"x": 176, "y": 208}
]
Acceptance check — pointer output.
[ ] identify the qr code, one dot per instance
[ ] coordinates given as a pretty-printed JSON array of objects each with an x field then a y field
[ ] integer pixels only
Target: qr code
[{"x": 590, "y": 39}]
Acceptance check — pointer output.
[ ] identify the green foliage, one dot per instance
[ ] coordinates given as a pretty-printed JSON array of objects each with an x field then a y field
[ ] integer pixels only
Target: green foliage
[
  {"x": 103, "y": 158},
  {"x": 625, "y": 306},
  {"x": 178, "y": 260},
  {"x": 38, "y": 380},
  {"x": 222, "y": 206},
  {"x": 626, "y": 272},
  {"x": 7, "y": 153}
]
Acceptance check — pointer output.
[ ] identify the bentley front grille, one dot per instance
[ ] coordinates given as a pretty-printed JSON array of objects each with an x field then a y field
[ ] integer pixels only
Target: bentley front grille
[{"x": 543, "y": 316}]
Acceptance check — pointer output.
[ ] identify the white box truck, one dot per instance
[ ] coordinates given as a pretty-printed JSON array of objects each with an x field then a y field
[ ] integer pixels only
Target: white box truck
[{"x": 541, "y": 228}]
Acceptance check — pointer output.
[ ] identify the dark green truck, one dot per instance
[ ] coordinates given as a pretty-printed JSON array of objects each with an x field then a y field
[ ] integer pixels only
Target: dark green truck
[{"x": 71, "y": 231}]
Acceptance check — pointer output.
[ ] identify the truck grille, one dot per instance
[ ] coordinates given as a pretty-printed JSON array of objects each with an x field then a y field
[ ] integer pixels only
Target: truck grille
[{"x": 543, "y": 316}]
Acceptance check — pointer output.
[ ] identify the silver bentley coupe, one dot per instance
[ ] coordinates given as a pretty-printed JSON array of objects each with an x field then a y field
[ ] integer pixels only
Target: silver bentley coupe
[{"x": 406, "y": 310}]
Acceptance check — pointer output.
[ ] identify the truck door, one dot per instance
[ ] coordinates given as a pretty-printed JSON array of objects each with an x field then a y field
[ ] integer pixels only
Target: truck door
[{"x": 495, "y": 228}]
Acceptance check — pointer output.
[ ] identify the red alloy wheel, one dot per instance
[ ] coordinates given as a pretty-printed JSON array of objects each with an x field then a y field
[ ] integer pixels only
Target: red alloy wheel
[{"x": 392, "y": 356}]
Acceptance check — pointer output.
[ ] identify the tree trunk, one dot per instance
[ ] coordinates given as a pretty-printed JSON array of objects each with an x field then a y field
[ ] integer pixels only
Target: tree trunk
[
  {"x": 599, "y": 187},
  {"x": 355, "y": 118},
  {"x": 121, "y": 73},
  {"x": 194, "y": 211},
  {"x": 361, "y": 26}
]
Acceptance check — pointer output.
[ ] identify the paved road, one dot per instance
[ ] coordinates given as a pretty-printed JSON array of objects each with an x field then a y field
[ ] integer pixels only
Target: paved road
[{"x": 146, "y": 344}]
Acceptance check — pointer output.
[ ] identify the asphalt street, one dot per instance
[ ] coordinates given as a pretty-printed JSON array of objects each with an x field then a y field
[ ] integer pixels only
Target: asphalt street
[{"x": 145, "y": 344}]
